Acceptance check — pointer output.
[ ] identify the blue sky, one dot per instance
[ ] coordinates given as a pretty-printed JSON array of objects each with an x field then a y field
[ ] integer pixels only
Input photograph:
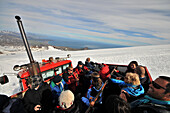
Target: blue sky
[{"x": 123, "y": 22}]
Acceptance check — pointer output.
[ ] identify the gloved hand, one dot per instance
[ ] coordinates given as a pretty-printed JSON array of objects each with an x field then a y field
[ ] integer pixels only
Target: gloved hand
[{"x": 85, "y": 100}]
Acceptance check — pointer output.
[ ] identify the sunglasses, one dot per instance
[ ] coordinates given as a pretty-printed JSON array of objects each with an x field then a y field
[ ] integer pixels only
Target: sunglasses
[
  {"x": 70, "y": 70},
  {"x": 157, "y": 86}
]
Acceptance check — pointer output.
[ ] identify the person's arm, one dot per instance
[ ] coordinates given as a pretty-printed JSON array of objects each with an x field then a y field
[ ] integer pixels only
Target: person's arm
[
  {"x": 120, "y": 82},
  {"x": 86, "y": 100},
  {"x": 27, "y": 104}
]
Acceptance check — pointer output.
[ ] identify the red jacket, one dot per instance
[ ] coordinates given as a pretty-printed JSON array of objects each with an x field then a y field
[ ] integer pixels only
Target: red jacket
[
  {"x": 81, "y": 71},
  {"x": 104, "y": 72},
  {"x": 70, "y": 79}
]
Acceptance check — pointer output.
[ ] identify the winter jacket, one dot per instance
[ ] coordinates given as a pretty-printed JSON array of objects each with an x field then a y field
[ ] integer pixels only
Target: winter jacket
[
  {"x": 91, "y": 93},
  {"x": 104, "y": 72},
  {"x": 57, "y": 89},
  {"x": 81, "y": 71},
  {"x": 130, "y": 89},
  {"x": 89, "y": 65},
  {"x": 150, "y": 105},
  {"x": 42, "y": 96},
  {"x": 15, "y": 105},
  {"x": 70, "y": 79}
]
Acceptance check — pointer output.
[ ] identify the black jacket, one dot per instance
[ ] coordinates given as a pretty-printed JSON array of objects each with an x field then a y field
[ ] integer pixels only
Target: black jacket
[
  {"x": 42, "y": 96},
  {"x": 151, "y": 108}
]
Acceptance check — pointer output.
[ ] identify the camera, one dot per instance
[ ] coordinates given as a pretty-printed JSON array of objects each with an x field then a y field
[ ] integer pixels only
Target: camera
[{"x": 4, "y": 79}]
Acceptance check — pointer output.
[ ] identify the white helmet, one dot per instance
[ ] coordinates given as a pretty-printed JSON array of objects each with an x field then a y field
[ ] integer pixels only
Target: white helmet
[{"x": 66, "y": 99}]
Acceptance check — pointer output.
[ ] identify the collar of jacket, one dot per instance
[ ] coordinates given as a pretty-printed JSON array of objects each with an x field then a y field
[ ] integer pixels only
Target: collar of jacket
[
  {"x": 53, "y": 84},
  {"x": 156, "y": 101}
]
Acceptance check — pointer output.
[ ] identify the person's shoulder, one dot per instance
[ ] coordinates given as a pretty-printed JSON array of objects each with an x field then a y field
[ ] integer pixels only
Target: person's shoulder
[
  {"x": 44, "y": 85},
  {"x": 151, "y": 108}
]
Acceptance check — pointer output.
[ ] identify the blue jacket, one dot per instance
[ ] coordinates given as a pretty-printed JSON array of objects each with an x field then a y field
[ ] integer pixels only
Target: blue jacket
[
  {"x": 148, "y": 99},
  {"x": 130, "y": 89},
  {"x": 86, "y": 99},
  {"x": 57, "y": 89}
]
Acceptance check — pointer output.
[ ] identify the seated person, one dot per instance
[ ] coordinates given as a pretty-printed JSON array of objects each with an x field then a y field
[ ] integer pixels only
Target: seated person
[
  {"x": 38, "y": 97},
  {"x": 157, "y": 98},
  {"x": 71, "y": 78},
  {"x": 68, "y": 103},
  {"x": 57, "y": 86},
  {"x": 93, "y": 91},
  {"x": 115, "y": 104},
  {"x": 50, "y": 60},
  {"x": 88, "y": 64},
  {"x": 131, "y": 86},
  {"x": 11, "y": 105},
  {"x": 140, "y": 70},
  {"x": 104, "y": 72},
  {"x": 130, "y": 68},
  {"x": 81, "y": 69}
]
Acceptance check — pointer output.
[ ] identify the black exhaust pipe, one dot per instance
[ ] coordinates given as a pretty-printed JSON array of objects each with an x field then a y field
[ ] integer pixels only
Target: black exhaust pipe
[
  {"x": 33, "y": 66},
  {"x": 21, "y": 28}
]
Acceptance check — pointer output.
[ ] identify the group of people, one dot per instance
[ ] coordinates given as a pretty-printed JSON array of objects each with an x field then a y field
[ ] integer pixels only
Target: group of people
[{"x": 90, "y": 89}]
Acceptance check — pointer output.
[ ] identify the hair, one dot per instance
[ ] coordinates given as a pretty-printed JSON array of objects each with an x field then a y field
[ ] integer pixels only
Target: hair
[
  {"x": 88, "y": 59},
  {"x": 168, "y": 85},
  {"x": 115, "y": 104},
  {"x": 133, "y": 78},
  {"x": 97, "y": 82},
  {"x": 95, "y": 74},
  {"x": 68, "y": 68},
  {"x": 132, "y": 62},
  {"x": 51, "y": 59}
]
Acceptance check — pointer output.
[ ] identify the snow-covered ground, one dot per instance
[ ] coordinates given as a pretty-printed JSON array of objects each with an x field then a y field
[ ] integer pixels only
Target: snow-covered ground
[{"x": 156, "y": 58}]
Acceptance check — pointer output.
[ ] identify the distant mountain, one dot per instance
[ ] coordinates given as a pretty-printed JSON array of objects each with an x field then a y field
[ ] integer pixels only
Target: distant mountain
[{"x": 10, "y": 38}]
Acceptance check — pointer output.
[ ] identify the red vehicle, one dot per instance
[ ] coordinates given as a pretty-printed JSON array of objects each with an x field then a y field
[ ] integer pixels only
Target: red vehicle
[{"x": 48, "y": 71}]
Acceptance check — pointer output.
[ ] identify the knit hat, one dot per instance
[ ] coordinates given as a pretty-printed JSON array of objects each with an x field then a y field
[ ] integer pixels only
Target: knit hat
[
  {"x": 80, "y": 63},
  {"x": 35, "y": 80},
  {"x": 66, "y": 99},
  {"x": 57, "y": 79}
]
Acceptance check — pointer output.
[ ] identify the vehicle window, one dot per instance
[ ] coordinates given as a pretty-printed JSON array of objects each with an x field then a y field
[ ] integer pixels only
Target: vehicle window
[
  {"x": 65, "y": 66},
  {"x": 122, "y": 68},
  {"x": 47, "y": 74},
  {"x": 59, "y": 70}
]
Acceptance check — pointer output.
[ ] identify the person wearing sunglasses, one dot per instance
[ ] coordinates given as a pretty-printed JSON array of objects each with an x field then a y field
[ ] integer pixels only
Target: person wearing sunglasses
[
  {"x": 157, "y": 98},
  {"x": 71, "y": 78}
]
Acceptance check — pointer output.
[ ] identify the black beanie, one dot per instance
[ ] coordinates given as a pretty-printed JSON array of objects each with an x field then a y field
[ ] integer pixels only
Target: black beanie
[
  {"x": 57, "y": 79},
  {"x": 80, "y": 63}
]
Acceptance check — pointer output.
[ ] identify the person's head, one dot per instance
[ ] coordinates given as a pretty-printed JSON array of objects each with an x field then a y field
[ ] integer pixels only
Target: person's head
[
  {"x": 133, "y": 65},
  {"x": 57, "y": 79},
  {"x": 140, "y": 70},
  {"x": 50, "y": 59},
  {"x": 115, "y": 104},
  {"x": 96, "y": 80},
  {"x": 70, "y": 69},
  {"x": 69, "y": 55},
  {"x": 88, "y": 59},
  {"x": 66, "y": 99},
  {"x": 160, "y": 88},
  {"x": 80, "y": 64},
  {"x": 34, "y": 81},
  {"x": 132, "y": 78}
]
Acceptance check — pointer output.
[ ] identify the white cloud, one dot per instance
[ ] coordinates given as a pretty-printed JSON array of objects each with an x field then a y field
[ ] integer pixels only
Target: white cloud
[{"x": 95, "y": 18}]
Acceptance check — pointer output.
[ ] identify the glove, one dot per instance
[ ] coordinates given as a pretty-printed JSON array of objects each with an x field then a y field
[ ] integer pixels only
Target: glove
[{"x": 85, "y": 100}]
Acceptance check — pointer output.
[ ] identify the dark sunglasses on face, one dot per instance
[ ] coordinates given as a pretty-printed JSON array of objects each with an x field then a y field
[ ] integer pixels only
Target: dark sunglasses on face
[{"x": 157, "y": 86}]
